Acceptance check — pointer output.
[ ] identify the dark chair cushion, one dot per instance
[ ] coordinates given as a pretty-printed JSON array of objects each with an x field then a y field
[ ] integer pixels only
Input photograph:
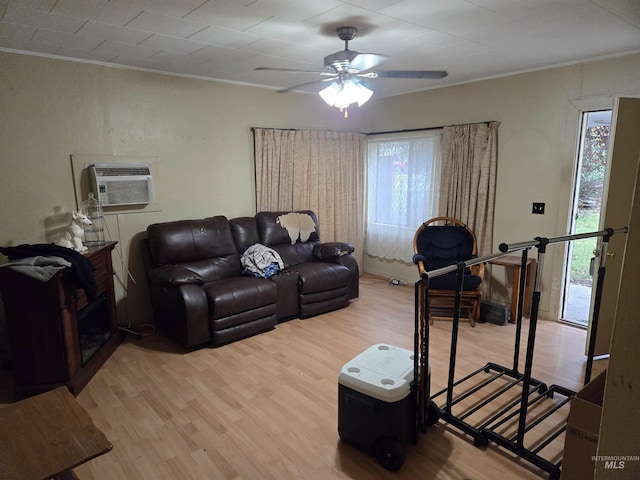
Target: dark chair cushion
[
  {"x": 449, "y": 281},
  {"x": 443, "y": 245}
]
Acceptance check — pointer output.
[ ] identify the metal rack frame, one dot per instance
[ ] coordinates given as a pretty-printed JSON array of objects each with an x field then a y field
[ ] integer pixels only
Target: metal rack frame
[{"x": 533, "y": 391}]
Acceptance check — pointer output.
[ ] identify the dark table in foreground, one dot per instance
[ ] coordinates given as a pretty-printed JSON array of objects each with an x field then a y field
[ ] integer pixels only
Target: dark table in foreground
[{"x": 46, "y": 436}]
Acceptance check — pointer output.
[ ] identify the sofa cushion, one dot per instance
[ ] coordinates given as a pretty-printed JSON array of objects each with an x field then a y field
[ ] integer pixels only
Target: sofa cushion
[
  {"x": 245, "y": 232},
  {"x": 188, "y": 240},
  {"x": 287, "y": 227},
  {"x": 294, "y": 254},
  {"x": 232, "y": 295},
  {"x": 321, "y": 276}
]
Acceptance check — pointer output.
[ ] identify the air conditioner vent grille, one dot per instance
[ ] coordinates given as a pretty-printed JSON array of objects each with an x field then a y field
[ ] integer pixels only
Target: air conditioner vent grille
[
  {"x": 122, "y": 171},
  {"x": 122, "y": 184}
]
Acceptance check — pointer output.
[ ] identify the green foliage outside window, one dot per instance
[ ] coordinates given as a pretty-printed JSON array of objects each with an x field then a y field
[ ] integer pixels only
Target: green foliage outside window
[{"x": 594, "y": 161}]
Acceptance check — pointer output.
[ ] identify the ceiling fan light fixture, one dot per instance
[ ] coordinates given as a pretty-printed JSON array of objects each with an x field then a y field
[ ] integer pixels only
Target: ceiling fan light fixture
[
  {"x": 341, "y": 94},
  {"x": 346, "y": 67}
]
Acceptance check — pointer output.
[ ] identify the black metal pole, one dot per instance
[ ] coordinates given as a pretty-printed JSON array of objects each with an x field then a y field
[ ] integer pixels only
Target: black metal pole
[
  {"x": 454, "y": 335},
  {"x": 595, "y": 316},
  {"x": 421, "y": 352},
  {"x": 506, "y": 247},
  {"x": 418, "y": 421},
  {"x": 424, "y": 359},
  {"x": 521, "y": 287},
  {"x": 533, "y": 321}
]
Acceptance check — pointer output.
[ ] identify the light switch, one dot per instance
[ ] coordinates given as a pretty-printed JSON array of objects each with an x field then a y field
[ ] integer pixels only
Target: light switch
[{"x": 538, "y": 208}]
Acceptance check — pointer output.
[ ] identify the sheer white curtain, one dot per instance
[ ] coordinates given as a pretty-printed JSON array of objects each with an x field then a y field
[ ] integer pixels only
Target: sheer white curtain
[
  {"x": 314, "y": 170},
  {"x": 403, "y": 190}
]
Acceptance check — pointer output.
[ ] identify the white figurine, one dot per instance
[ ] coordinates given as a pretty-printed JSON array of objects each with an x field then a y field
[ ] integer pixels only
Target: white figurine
[{"x": 72, "y": 237}]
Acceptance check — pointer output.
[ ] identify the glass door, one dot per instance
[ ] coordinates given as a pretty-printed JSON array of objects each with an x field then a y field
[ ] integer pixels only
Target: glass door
[{"x": 590, "y": 180}]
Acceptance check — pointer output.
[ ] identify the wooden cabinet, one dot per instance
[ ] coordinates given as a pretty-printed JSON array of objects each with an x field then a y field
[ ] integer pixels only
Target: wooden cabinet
[{"x": 56, "y": 336}]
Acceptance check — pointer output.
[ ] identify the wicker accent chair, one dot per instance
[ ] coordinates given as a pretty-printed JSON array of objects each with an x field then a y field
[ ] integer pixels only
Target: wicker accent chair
[{"x": 440, "y": 242}]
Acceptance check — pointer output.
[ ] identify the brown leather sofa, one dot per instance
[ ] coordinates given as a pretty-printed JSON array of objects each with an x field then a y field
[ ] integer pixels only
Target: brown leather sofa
[{"x": 200, "y": 295}]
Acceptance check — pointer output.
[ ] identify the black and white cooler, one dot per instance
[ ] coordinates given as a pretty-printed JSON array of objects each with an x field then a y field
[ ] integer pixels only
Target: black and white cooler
[{"x": 376, "y": 410}]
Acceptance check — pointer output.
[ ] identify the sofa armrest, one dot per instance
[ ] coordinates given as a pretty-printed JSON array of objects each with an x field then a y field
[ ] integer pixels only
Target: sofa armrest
[
  {"x": 173, "y": 276},
  {"x": 332, "y": 250},
  {"x": 182, "y": 312}
]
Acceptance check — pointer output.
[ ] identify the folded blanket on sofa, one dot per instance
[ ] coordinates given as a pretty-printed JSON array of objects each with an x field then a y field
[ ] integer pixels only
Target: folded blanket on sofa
[{"x": 261, "y": 261}]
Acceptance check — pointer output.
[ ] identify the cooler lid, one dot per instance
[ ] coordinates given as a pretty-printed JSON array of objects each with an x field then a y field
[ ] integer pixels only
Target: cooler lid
[{"x": 382, "y": 371}]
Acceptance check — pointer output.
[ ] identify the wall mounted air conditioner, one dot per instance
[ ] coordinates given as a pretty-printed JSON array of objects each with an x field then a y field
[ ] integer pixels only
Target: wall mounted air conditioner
[{"x": 122, "y": 183}]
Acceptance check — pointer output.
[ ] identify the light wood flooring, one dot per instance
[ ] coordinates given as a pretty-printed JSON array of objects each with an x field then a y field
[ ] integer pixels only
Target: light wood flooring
[{"x": 266, "y": 407}]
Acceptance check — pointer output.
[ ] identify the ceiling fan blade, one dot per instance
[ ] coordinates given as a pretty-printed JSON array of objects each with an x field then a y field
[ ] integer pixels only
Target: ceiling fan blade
[
  {"x": 405, "y": 74},
  {"x": 294, "y": 70},
  {"x": 366, "y": 61},
  {"x": 285, "y": 90}
]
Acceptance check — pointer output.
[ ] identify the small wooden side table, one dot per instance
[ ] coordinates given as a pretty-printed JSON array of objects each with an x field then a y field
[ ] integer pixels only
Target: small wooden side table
[
  {"x": 47, "y": 435},
  {"x": 516, "y": 264}
]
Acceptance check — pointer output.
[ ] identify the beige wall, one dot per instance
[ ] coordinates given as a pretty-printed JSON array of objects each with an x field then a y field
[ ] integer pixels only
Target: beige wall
[{"x": 200, "y": 131}]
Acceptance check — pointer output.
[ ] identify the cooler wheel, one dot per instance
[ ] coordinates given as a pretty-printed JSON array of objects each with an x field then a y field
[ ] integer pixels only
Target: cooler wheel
[{"x": 390, "y": 453}]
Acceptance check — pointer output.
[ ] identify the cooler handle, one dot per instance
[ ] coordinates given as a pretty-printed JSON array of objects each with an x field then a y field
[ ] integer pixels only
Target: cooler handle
[{"x": 360, "y": 402}]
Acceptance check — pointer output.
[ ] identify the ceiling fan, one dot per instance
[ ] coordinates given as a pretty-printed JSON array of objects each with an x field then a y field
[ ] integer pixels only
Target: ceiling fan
[{"x": 344, "y": 68}]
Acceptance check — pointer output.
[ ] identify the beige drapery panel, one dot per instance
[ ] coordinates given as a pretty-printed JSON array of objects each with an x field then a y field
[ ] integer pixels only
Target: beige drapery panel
[
  {"x": 321, "y": 171},
  {"x": 468, "y": 182}
]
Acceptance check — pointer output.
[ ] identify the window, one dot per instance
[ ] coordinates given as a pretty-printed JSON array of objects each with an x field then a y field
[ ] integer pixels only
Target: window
[{"x": 403, "y": 184}]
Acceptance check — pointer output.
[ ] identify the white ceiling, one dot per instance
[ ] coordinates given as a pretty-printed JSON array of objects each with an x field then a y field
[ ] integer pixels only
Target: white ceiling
[{"x": 227, "y": 39}]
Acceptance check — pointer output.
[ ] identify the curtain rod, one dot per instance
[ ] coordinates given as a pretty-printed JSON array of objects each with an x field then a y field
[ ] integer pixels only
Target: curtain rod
[
  {"x": 404, "y": 131},
  {"x": 253, "y": 129},
  {"x": 426, "y": 128}
]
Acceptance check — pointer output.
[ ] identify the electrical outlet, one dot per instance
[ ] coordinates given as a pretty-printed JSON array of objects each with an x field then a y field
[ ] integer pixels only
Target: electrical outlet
[{"x": 538, "y": 208}]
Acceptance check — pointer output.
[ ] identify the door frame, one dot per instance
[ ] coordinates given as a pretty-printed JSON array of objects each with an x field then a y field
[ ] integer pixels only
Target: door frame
[
  {"x": 623, "y": 157},
  {"x": 577, "y": 109},
  {"x": 571, "y": 220}
]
